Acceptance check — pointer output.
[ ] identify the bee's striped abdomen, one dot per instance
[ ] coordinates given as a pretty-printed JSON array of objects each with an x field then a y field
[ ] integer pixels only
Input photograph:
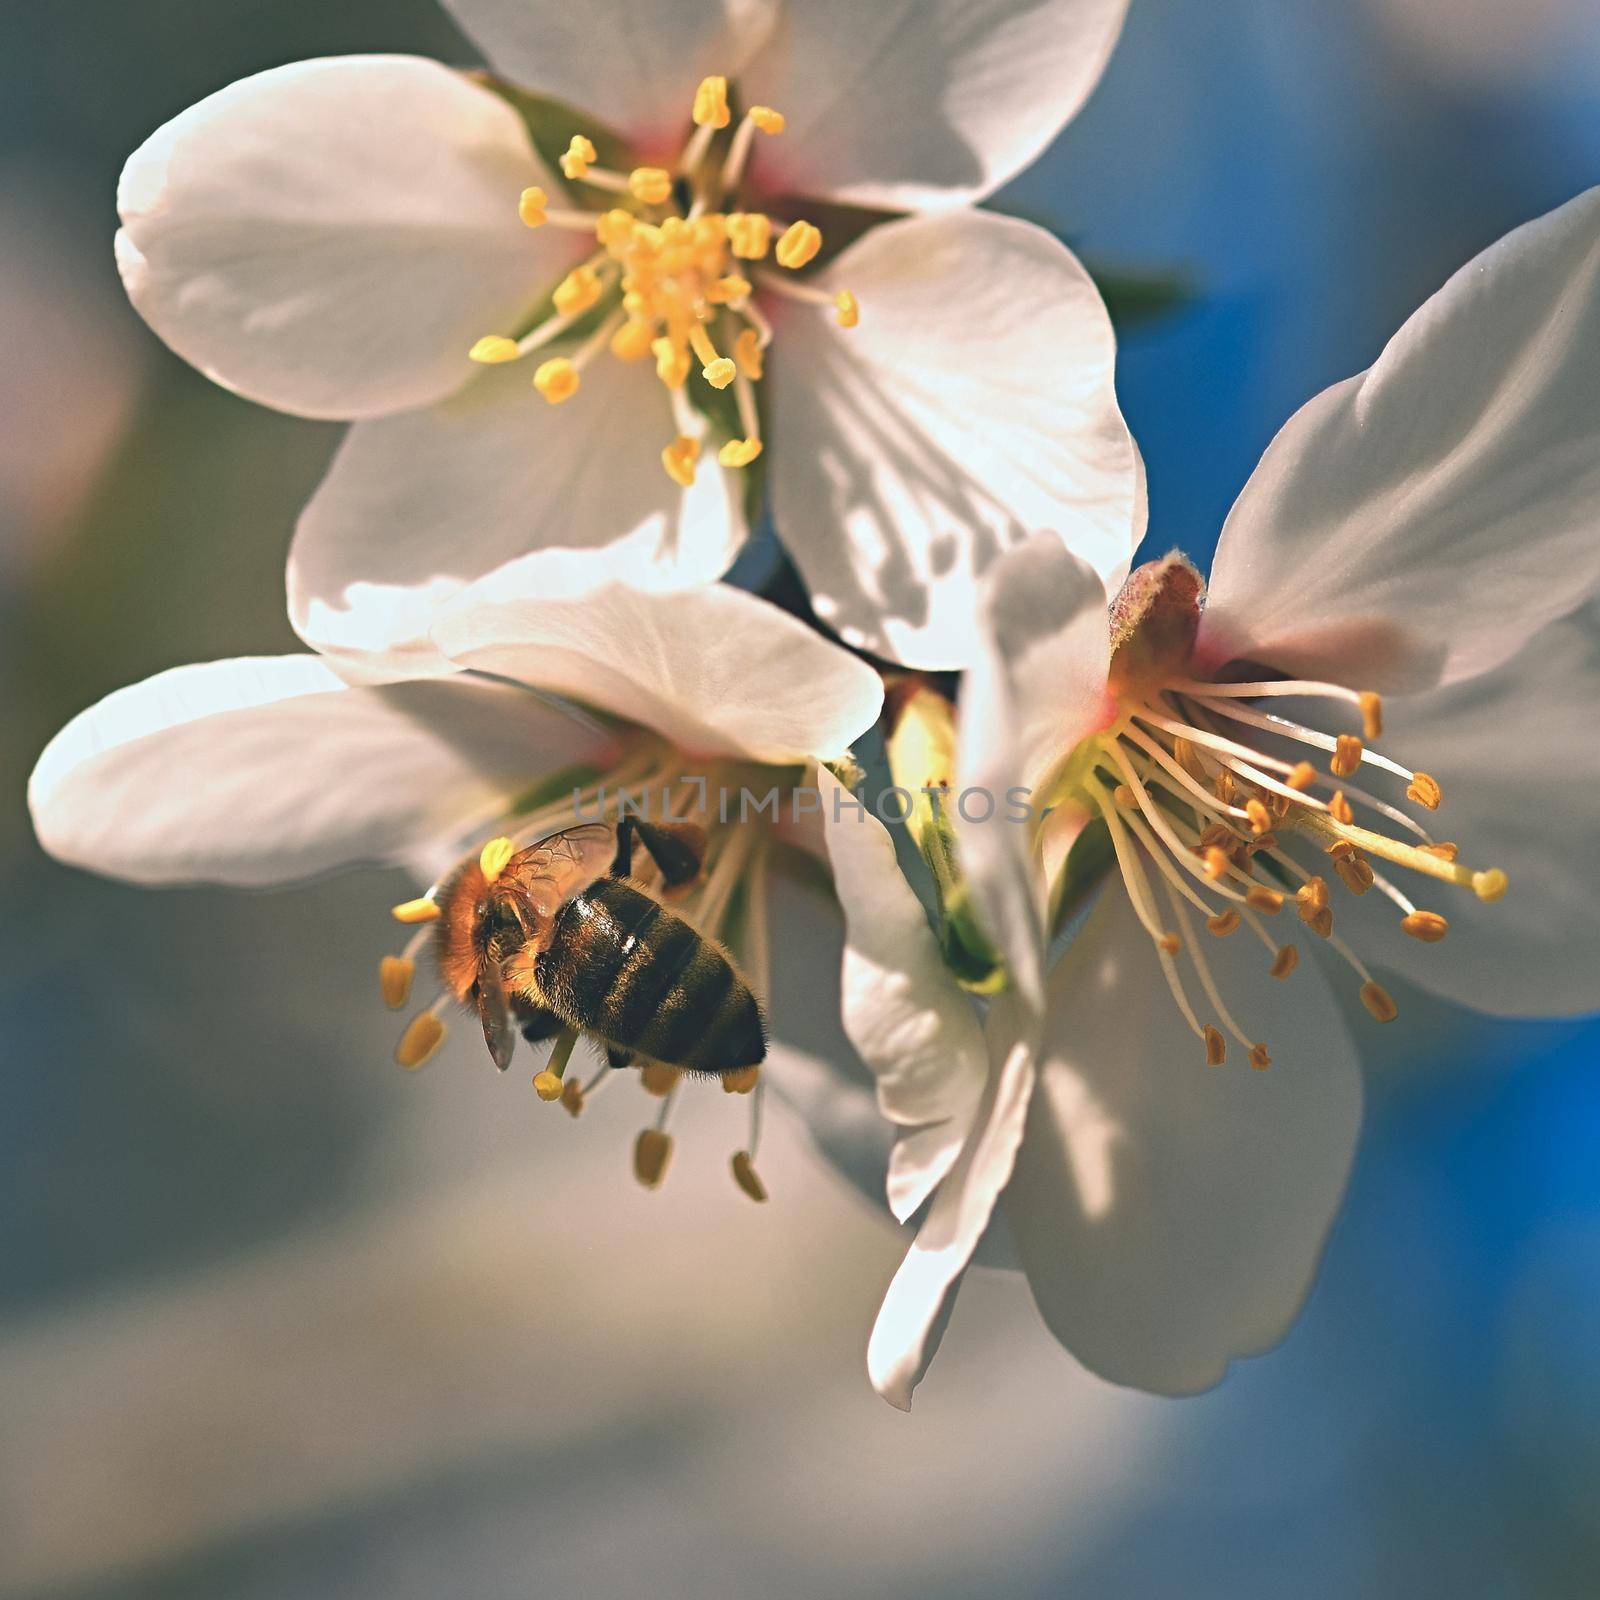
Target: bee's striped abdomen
[{"x": 622, "y": 966}]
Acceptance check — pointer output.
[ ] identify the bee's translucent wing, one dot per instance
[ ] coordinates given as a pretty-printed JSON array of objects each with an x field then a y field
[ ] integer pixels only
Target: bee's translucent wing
[
  {"x": 552, "y": 871},
  {"x": 494, "y": 1012}
]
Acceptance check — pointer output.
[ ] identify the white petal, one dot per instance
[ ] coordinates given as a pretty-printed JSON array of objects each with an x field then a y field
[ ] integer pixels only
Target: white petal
[
  {"x": 331, "y": 237},
  {"x": 925, "y": 103},
  {"x": 912, "y": 1319},
  {"x": 633, "y": 64},
  {"x": 416, "y": 507},
  {"x": 972, "y": 406},
  {"x": 1170, "y": 1215},
  {"x": 269, "y": 769},
  {"x": 1418, "y": 523},
  {"x": 715, "y": 670},
  {"x": 1516, "y": 754},
  {"x": 905, "y": 1014},
  {"x": 1036, "y": 687}
]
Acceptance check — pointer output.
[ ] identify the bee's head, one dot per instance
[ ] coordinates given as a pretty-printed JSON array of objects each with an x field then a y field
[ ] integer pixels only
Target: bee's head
[{"x": 502, "y": 923}]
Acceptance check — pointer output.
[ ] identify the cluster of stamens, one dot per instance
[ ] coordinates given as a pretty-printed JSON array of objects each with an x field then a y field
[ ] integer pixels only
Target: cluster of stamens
[
  {"x": 674, "y": 284},
  {"x": 728, "y": 901},
  {"x": 1236, "y": 835}
]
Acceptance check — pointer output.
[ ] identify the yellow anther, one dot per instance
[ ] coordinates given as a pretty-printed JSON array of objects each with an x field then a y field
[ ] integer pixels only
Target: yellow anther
[
  {"x": 1341, "y": 849},
  {"x": 729, "y": 290},
  {"x": 1169, "y": 944},
  {"x": 1346, "y": 756},
  {"x": 1265, "y": 841},
  {"x": 1489, "y": 885},
  {"x": 1425, "y": 791},
  {"x": 579, "y": 154},
  {"x": 547, "y": 1086},
  {"x": 493, "y": 857},
  {"x": 740, "y": 1082},
  {"x": 1371, "y": 715},
  {"x": 1445, "y": 850},
  {"x": 766, "y": 119},
  {"x": 651, "y": 1153},
  {"x": 1187, "y": 757},
  {"x": 1428, "y": 926},
  {"x": 739, "y": 452},
  {"x": 1123, "y": 795},
  {"x": 799, "y": 244},
  {"x": 1260, "y": 817},
  {"x": 1301, "y": 776},
  {"x": 615, "y": 228},
  {"x": 1339, "y": 808},
  {"x": 577, "y": 291},
  {"x": 1278, "y": 805},
  {"x": 651, "y": 185},
  {"x": 1320, "y": 922},
  {"x": 394, "y": 980},
  {"x": 494, "y": 348},
  {"x": 749, "y": 234},
  {"x": 1216, "y": 861},
  {"x": 659, "y": 1079},
  {"x": 530, "y": 207},
  {"x": 672, "y": 362},
  {"x": 1223, "y": 787},
  {"x": 1286, "y": 960},
  {"x": 846, "y": 309},
  {"x": 747, "y": 354},
  {"x": 1218, "y": 833},
  {"x": 424, "y": 1034},
  {"x": 421, "y": 910},
  {"x": 1355, "y": 873},
  {"x": 679, "y": 459},
  {"x": 719, "y": 373},
  {"x": 1259, "y": 1059},
  {"x": 711, "y": 104},
  {"x": 1312, "y": 895},
  {"x": 572, "y": 1096},
  {"x": 744, "y": 1174},
  {"x": 1264, "y": 899},
  {"x": 632, "y": 341},
  {"x": 1378, "y": 1001},
  {"x": 557, "y": 380},
  {"x": 1224, "y": 923},
  {"x": 1216, "y": 1046}
]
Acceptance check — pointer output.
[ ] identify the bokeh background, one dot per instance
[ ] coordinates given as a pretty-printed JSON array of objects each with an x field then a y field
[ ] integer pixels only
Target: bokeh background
[{"x": 277, "y": 1320}]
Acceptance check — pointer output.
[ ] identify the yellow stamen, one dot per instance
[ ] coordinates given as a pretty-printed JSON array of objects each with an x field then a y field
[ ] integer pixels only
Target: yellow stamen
[
  {"x": 749, "y": 234},
  {"x": 766, "y": 119},
  {"x": 572, "y": 1097},
  {"x": 740, "y": 1082},
  {"x": 799, "y": 245},
  {"x": 744, "y": 1174},
  {"x": 577, "y": 291},
  {"x": 394, "y": 980},
  {"x": 1216, "y": 1046},
  {"x": 1425, "y": 791},
  {"x": 747, "y": 354},
  {"x": 739, "y": 452},
  {"x": 1259, "y": 1059},
  {"x": 711, "y": 104},
  {"x": 1489, "y": 885},
  {"x": 1224, "y": 923},
  {"x": 672, "y": 362},
  {"x": 557, "y": 380},
  {"x": 679, "y": 459},
  {"x": 651, "y": 185},
  {"x": 1123, "y": 795},
  {"x": 420, "y": 910},
  {"x": 494, "y": 348},
  {"x": 1445, "y": 851},
  {"x": 531, "y": 206},
  {"x": 632, "y": 341},
  {"x": 424, "y": 1034},
  {"x": 493, "y": 857},
  {"x": 729, "y": 290},
  {"x": 1301, "y": 776},
  {"x": 1260, "y": 817},
  {"x": 1378, "y": 1001},
  {"x": 719, "y": 373},
  {"x": 658, "y": 1078},
  {"x": 1169, "y": 944},
  {"x": 547, "y": 1086},
  {"x": 651, "y": 1153},
  {"x": 1286, "y": 960},
  {"x": 846, "y": 309},
  {"x": 615, "y": 228},
  {"x": 579, "y": 154},
  {"x": 1216, "y": 862},
  {"x": 1371, "y": 714},
  {"x": 1339, "y": 807},
  {"x": 1264, "y": 899},
  {"x": 1354, "y": 872},
  {"x": 1346, "y": 756},
  {"x": 1428, "y": 926}
]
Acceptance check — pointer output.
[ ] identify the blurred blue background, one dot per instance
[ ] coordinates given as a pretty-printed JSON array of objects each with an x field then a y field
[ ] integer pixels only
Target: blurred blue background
[{"x": 275, "y": 1321}]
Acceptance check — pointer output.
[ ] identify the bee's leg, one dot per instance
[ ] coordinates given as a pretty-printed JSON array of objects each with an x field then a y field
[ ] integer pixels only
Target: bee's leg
[
  {"x": 538, "y": 1025},
  {"x": 617, "y": 1057},
  {"x": 678, "y": 848}
]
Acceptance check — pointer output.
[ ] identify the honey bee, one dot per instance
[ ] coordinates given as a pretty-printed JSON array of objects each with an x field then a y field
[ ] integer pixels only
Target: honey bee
[{"x": 560, "y": 938}]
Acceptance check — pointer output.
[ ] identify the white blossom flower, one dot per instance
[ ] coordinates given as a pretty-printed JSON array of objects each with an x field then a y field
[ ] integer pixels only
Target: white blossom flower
[
  {"x": 1401, "y": 622},
  {"x": 714, "y": 707},
  {"x": 343, "y": 238}
]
